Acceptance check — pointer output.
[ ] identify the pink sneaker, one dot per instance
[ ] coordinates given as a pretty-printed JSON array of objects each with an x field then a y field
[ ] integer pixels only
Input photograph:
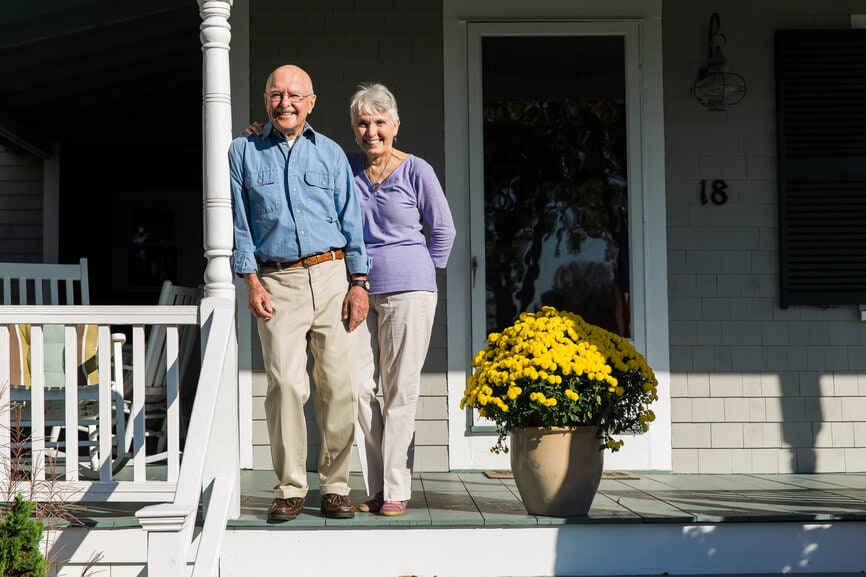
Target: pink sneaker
[{"x": 393, "y": 508}]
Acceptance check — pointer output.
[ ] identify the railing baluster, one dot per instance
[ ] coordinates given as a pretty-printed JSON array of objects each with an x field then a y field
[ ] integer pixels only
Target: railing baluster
[
  {"x": 138, "y": 449},
  {"x": 71, "y": 406},
  {"x": 104, "y": 424},
  {"x": 172, "y": 402},
  {"x": 37, "y": 402}
]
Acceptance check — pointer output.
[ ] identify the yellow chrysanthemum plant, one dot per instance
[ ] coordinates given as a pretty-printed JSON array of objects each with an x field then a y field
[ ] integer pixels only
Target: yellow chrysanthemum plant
[{"x": 553, "y": 369}]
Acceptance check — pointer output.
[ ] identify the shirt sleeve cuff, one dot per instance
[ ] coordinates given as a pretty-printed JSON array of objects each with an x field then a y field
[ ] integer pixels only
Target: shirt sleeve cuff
[{"x": 244, "y": 263}]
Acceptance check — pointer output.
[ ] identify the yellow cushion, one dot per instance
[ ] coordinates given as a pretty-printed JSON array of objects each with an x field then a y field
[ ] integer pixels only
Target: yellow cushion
[
  {"x": 88, "y": 369},
  {"x": 54, "y": 345},
  {"x": 19, "y": 355}
]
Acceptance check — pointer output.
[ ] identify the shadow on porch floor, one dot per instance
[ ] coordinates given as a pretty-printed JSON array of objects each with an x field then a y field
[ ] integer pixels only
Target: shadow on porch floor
[{"x": 471, "y": 499}]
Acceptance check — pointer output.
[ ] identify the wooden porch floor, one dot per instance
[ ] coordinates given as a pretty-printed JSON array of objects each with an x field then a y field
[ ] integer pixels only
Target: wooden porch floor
[{"x": 472, "y": 499}]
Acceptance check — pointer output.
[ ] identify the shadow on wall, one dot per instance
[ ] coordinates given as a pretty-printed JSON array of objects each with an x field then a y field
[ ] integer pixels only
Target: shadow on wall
[{"x": 802, "y": 418}]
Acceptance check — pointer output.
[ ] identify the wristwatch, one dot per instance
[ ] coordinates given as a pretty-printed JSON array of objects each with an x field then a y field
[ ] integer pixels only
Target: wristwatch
[{"x": 364, "y": 284}]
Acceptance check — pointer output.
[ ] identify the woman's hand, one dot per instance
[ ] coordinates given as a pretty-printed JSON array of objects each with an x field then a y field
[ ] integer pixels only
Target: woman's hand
[{"x": 254, "y": 129}]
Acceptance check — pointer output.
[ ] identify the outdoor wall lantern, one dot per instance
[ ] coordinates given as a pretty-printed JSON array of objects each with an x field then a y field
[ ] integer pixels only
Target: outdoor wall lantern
[{"x": 716, "y": 87}]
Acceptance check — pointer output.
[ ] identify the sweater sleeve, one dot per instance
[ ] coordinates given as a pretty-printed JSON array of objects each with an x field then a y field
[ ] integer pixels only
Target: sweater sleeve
[{"x": 435, "y": 213}]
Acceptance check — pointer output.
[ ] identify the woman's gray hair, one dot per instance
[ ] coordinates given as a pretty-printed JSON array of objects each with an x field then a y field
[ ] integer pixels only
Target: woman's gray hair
[{"x": 373, "y": 98}]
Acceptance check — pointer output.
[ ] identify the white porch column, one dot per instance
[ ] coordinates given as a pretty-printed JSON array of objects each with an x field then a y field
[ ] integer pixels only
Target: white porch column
[
  {"x": 216, "y": 124},
  {"x": 218, "y": 234}
]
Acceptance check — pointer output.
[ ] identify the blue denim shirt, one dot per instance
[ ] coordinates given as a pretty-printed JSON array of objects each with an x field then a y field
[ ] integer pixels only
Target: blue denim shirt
[{"x": 291, "y": 202}]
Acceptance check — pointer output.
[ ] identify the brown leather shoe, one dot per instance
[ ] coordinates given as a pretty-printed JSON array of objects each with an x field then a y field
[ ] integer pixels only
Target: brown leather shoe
[
  {"x": 337, "y": 506},
  {"x": 285, "y": 509}
]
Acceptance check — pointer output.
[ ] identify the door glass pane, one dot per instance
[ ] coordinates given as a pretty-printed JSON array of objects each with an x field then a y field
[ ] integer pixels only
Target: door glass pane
[{"x": 555, "y": 182}]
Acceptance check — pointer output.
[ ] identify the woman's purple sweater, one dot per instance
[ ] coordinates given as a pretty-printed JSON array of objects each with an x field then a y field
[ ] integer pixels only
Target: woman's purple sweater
[{"x": 394, "y": 219}]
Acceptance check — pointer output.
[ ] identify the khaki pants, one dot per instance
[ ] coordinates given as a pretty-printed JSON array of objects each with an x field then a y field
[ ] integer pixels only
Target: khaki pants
[
  {"x": 397, "y": 331},
  {"x": 307, "y": 310}
]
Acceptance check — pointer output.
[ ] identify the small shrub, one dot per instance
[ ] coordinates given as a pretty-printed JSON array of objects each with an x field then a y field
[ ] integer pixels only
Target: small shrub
[{"x": 20, "y": 535}]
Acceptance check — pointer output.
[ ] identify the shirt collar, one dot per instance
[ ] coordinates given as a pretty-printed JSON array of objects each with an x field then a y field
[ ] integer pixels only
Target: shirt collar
[{"x": 269, "y": 131}]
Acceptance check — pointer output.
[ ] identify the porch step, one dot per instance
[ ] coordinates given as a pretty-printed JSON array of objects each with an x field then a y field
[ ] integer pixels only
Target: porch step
[{"x": 589, "y": 549}]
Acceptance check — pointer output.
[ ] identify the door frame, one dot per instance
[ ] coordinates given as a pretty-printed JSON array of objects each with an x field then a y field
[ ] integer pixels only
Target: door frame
[{"x": 465, "y": 22}]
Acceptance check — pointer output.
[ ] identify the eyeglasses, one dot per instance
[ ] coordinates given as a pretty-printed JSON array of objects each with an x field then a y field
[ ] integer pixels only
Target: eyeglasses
[{"x": 293, "y": 98}]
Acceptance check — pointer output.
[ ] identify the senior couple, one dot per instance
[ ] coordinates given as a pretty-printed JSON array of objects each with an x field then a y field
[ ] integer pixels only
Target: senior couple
[{"x": 335, "y": 260}]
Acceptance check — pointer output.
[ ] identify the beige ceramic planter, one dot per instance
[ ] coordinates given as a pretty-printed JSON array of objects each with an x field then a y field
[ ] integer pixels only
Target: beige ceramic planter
[{"x": 557, "y": 470}]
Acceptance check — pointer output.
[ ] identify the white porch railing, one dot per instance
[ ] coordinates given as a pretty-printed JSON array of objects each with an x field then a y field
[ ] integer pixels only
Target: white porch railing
[
  {"x": 126, "y": 439},
  {"x": 209, "y": 469}
]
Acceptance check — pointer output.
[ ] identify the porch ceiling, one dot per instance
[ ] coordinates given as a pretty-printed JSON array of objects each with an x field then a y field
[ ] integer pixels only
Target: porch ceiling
[{"x": 72, "y": 66}]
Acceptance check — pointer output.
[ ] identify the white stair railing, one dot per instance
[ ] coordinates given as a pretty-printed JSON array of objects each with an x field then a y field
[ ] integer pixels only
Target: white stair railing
[{"x": 210, "y": 469}]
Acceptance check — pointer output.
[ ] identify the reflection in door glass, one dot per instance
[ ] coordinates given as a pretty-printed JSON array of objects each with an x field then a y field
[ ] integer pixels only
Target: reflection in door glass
[{"x": 555, "y": 183}]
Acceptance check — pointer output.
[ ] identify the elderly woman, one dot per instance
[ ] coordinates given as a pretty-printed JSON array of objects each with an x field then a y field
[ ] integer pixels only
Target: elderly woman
[{"x": 399, "y": 195}]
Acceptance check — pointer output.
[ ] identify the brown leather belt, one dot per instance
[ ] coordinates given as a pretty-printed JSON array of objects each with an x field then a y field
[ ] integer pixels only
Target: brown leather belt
[{"x": 271, "y": 266}]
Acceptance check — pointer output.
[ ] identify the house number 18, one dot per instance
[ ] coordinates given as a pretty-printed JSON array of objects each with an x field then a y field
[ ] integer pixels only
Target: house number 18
[{"x": 718, "y": 195}]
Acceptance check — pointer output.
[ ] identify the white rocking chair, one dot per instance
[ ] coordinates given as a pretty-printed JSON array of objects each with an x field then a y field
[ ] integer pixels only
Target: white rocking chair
[
  {"x": 160, "y": 395},
  {"x": 59, "y": 284}
]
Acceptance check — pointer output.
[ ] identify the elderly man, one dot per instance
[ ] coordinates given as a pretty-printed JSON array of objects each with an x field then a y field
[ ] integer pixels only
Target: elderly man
[{"x": 298, "y": 243}]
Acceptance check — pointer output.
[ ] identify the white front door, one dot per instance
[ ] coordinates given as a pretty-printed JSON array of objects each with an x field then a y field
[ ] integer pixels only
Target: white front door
[{"x": 556, "y": 200}]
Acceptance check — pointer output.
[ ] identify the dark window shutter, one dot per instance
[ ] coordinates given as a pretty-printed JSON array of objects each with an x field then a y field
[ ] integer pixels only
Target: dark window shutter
[{"x": 821, "y": 124}]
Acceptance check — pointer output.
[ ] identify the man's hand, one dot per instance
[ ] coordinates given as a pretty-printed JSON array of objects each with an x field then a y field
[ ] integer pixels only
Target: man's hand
[
  {"x": 355, "y": 307},
  {"x": 258, "y": 299}
]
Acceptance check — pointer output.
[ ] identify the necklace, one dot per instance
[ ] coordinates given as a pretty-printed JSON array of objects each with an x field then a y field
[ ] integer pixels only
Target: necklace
[{"x": 379, "y": 180}]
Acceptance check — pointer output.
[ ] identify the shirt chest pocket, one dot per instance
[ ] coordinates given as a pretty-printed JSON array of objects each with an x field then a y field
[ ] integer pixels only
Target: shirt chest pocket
[
  {"x": 320, "y": 180},
  {"x": 265, "y": 190},
  {"x": 321, "y": 186}
]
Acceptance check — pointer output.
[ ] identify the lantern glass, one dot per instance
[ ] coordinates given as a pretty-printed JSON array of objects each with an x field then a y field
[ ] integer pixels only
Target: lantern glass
[{"x": 720, "y": 89}]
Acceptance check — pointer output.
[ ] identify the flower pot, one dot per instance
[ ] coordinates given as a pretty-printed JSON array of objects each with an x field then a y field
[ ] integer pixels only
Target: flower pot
[{"x": 556, "y": 469}]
